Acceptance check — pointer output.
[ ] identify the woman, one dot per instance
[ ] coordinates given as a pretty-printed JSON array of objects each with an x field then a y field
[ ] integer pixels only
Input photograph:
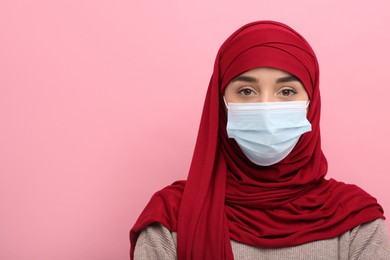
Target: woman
[{"x": 256, "y": 188}]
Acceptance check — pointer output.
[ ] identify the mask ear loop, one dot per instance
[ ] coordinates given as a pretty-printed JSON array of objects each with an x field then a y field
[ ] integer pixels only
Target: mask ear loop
[{"x": 224, "y": 100}]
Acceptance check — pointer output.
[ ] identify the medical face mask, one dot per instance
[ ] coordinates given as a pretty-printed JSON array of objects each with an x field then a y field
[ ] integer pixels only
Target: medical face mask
[{"x": 267, "y": 132}]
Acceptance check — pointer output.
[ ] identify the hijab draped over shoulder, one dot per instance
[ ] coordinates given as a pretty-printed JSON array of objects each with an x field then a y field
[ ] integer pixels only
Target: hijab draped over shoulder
[{"x": 227, "y": 197}]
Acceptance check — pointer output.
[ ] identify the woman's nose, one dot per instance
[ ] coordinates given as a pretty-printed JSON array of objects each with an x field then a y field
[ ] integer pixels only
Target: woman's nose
[{"x": 266, "y": 96}]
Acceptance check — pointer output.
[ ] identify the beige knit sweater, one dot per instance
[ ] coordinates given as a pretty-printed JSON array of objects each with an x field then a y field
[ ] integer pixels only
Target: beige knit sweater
[{"x": 365, "y": 242}]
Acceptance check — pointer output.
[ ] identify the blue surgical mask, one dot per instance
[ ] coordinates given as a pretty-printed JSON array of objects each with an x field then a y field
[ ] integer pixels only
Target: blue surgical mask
[{"x": 267, "y": 132}]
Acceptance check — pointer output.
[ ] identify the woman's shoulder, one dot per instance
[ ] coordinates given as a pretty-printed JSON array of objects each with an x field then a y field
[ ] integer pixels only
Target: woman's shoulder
[
  {"x": 368, "y": 240},
  {"x": 373, "y": 229},
  {"x": 156, "y": 242},
  {"x": 157, "y": 234},
  {"x": 162, "y": 207}
]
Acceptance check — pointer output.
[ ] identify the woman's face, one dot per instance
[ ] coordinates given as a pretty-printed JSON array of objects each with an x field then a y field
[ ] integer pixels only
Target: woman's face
[{"x": 265, "y": 85}]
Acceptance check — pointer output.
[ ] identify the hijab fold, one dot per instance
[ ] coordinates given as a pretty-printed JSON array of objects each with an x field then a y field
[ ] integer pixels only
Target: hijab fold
[{"x": 227, "y": 197}]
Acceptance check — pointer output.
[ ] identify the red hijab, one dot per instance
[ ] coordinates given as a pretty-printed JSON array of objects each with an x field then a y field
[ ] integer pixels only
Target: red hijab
[{"x": 227, "y": 197}]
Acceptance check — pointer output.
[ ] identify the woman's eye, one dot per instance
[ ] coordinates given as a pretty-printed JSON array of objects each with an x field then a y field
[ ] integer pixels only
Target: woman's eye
[
  {"x": 288, "y": 92},
  {"x": 246, "y": 91}
]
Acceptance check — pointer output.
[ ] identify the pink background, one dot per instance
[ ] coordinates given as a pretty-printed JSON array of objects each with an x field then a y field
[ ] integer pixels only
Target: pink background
[{"x": 100, "y": 102}]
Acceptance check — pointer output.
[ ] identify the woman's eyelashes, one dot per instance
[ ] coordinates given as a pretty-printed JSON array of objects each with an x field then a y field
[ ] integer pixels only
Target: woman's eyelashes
[
  {"x": 287, "y": 92},
  {"x": 246, "y": 91}
]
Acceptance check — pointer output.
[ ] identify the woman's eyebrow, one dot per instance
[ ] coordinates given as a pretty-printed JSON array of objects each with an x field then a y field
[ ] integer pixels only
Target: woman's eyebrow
[
  {"x": 245, "y": 79},
  {"x": 287, "y": 79}
]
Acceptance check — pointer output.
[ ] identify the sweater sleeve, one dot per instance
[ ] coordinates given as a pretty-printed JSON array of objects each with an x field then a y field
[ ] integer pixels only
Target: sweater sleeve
[
  {"x": 370, "y": 241},
  {"x": 155, "y": 242}
]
